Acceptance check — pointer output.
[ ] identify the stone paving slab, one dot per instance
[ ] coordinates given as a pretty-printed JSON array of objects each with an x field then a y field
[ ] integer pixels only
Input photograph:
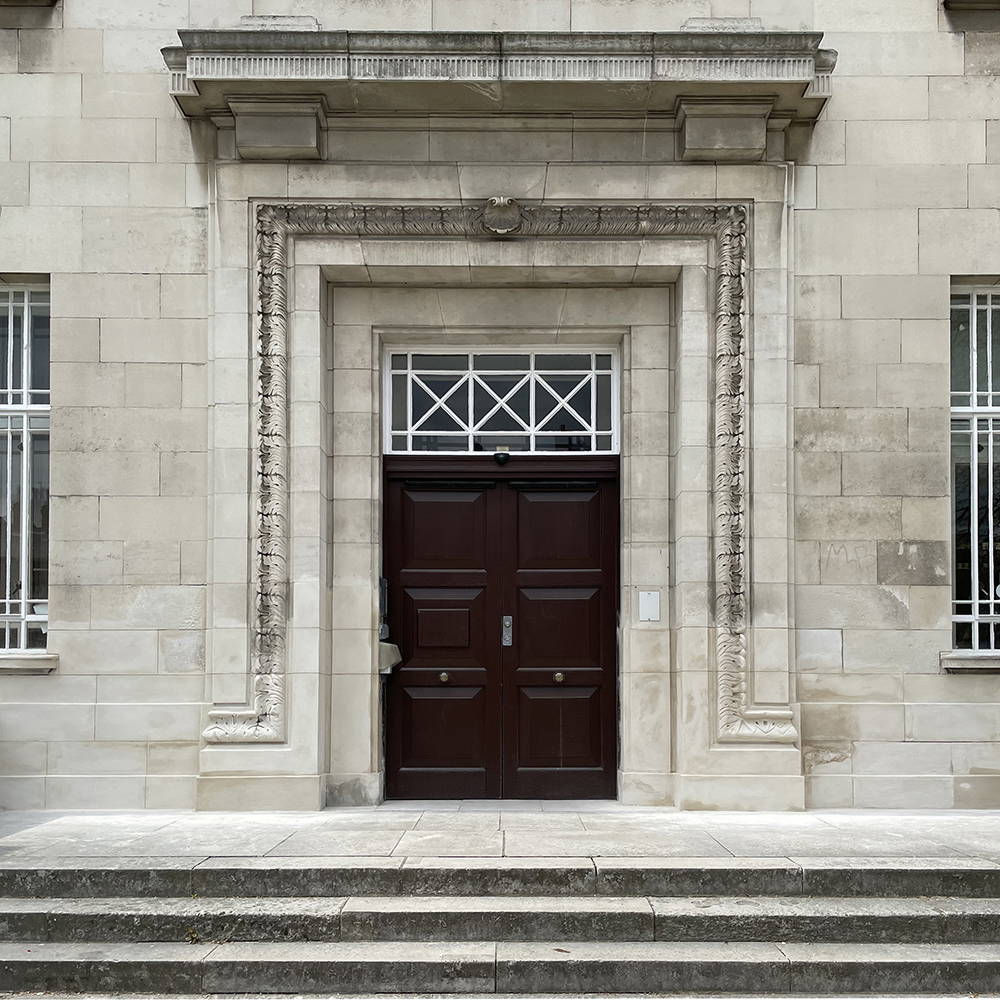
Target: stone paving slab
[{"x": 481, "y": 829}]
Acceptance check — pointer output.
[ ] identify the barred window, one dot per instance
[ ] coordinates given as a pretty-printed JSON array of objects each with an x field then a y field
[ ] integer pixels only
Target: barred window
[
  {"x": 531, "y": 401},
  {"x": 24, "y": 467},
  {"x": 975, "y": 449}
]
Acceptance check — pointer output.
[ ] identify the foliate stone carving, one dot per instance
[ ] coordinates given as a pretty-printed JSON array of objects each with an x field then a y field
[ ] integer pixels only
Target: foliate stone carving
[{"x": 738, "y": 718}]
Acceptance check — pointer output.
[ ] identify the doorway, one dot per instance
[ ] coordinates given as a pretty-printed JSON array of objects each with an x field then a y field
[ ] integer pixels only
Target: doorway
[{"x": 503, "y": 600}]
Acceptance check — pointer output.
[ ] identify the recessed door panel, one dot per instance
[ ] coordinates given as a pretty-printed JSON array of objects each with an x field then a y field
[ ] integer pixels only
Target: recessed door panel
[
  {"x": 559, "y": 529},
  {"x": 558, "y": 627},
  {"x": 459, "y": 711},
  {"x": 560, "y": 727},
  {"x": 444, "y": 626},
  {"x": 479, "y": 708},
  {"x": 444, "y": 529}
]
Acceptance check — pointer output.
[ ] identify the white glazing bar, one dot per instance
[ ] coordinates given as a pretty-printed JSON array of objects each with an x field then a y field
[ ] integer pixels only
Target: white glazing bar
[{"x": 990, "y": 494}]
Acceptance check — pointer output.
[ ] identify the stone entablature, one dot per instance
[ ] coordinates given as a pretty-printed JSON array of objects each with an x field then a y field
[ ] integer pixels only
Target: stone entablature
[{"x": 764, "y": 79}]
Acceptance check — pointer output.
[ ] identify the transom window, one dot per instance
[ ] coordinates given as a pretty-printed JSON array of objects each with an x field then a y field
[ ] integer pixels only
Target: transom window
[
  {"x": 24, "y": 467},
  {"x": 487, "y": 401}
]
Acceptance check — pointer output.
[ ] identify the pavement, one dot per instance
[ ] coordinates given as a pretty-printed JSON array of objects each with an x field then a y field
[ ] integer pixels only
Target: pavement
[{"x": 517, "y": 829}]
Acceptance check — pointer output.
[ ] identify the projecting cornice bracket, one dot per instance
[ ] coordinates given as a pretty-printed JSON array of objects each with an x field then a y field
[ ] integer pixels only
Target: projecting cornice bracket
[{"x": 257, "y": 76}]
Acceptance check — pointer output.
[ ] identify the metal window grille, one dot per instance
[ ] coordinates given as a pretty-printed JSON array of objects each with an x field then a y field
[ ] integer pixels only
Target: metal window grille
[
  {"x": 975, "y": 461},
  {"x": 24, "y": 467},
  {"x": 541, "y": 402}
]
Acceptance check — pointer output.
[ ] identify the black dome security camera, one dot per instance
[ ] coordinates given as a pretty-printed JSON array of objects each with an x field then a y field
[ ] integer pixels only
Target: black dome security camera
[{"x": 501, "y": 457}]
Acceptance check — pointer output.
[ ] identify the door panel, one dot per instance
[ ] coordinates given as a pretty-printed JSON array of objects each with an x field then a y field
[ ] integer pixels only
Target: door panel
[
  {"x": 558, "y": 627},
  {"x": 467, "y": 715},
  {"x": 559, "y": 727},
  {"x": 558, "y": 530}
]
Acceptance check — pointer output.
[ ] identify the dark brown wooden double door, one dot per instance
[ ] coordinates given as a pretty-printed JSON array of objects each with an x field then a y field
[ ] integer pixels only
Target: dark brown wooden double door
[{"x": 503, "y": 601}]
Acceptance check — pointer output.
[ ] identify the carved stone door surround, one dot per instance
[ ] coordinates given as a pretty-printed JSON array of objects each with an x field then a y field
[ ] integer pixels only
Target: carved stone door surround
[{"x": 727, "y": 226}]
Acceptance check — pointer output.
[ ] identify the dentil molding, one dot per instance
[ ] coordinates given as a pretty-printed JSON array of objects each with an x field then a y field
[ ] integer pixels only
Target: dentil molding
[{"x": 263, "y": 721}]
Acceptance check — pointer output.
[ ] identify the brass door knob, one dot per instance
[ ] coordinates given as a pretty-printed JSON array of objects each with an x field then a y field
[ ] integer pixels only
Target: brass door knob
[
  {"x": 443, "y": 678},
  {"x": 559, "y": 677}
]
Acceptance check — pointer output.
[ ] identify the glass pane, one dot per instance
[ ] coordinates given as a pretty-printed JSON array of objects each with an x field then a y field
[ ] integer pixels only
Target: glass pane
[
  {"x": 982, "y": 347},
  {"x": 399, "y": 402},
  {"x": 604, "y": 402},
  {"x": 520, "y": 403},
  {"x": 580, "y": 401},
  {"x": 484, "y": 400},
  {"x": 563, "y": 420},
  {"x": 398, "y": 362},
  {"x": 602, "y": 362},
  {"x": 14, "y": 349},
  {"x": 500, "y": 362},
  {"x": 14, "y": 513},
  {"x": 984, "y": 507},
  {"x": 960, "y": 358},
  {"x": 5, "y": 518},
  {"x": 441, "y": 420},
  {"x": 963, "y": 635},
  {"x": 39, "y": 523},
  {"x": 501, "y": 442},
  {"x": 420, "y": 402},
  {"x": 562, "y": 362},
  {"x": 441, "y": 362},
  {"x": 399, "y": 442},
  {"x": 962, "y": 500},
  {"x": 440, "y": 442},
  {"x": 450, "y": 388},
  {"x": 604, "y": 442},
  {"x": 569, "y": 442},
  {"x": 5, "y": 333},
  {"x": 39, "y": 347},
  {"x": 36, "y": 636},
  {"x": 502, "y": 420}
]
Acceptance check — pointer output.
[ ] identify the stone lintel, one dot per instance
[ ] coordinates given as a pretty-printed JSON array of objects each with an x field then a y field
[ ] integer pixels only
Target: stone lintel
[
  {"x": 723, "y": 131},
  {"x": 279, "y": 130}
]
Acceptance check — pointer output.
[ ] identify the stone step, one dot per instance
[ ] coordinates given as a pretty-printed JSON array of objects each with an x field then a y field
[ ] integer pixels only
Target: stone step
[
  {"x": 503, "y": 918},
  {"x": 484, "y": 967},
  {"x": 343, "y": 877},
  {"x": 833, "y": 919}
]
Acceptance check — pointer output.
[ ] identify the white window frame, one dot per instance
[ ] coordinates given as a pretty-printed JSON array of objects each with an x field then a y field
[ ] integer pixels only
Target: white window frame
[
  {"x": 983, "y": 418},
  {"x": 534, "y": 351},
  {"x": 33, "y": 612}
]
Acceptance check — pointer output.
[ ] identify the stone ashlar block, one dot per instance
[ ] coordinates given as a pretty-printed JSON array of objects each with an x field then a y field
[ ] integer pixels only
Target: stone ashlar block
[{"x": 916, "y": 563}]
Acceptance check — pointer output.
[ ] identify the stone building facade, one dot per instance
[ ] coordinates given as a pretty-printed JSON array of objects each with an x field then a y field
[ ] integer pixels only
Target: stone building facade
[{"x": 705, "y": 284}]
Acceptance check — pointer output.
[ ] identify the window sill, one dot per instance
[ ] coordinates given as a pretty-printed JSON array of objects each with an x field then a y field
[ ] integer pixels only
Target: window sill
[
  {"x": 24, "y": 662},
  {"x": 967, "y": 661}
]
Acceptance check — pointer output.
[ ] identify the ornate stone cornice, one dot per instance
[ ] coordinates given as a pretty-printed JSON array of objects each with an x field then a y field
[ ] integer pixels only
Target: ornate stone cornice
[
  {"x": 277, "y": 224},
  {"x": 468, "y": 73}
]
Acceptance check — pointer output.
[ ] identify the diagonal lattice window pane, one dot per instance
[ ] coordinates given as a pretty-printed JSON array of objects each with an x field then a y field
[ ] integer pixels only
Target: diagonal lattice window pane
[{"x": 542, "y": 401}]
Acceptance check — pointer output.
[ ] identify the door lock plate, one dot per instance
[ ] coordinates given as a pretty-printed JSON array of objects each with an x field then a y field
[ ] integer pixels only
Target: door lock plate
[{"x": 507, "y": 631}]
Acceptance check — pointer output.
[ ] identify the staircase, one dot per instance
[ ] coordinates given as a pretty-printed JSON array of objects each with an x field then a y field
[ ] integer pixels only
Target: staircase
[{"x": 500, "y": 925}]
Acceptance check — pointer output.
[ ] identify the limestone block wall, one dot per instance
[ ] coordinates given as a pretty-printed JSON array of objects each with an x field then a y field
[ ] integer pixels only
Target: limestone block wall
[
  {"x": 104, "y": 193},
  {"x": 898, "y": 195}
]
